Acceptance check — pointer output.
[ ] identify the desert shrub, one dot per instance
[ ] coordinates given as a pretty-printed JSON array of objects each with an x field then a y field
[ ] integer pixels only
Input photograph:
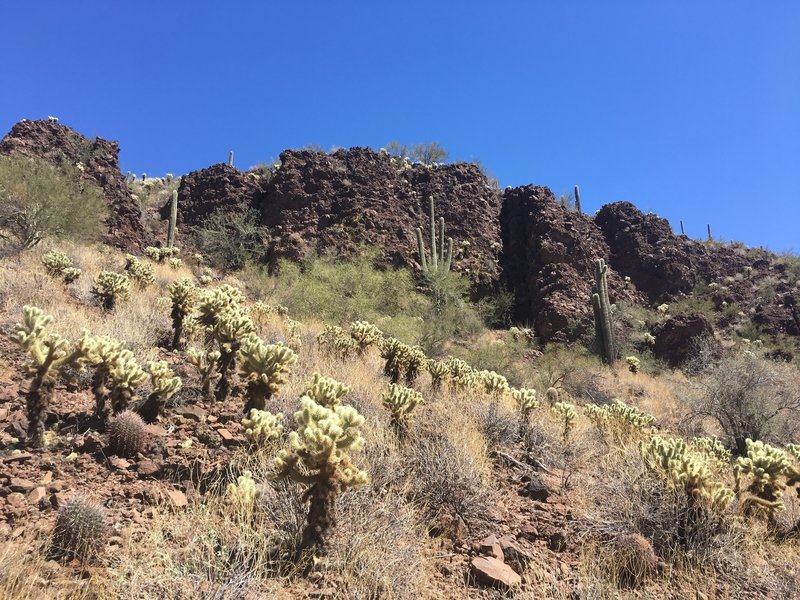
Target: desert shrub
[
  {"x": 343, "y": 291},
  {"x": 426, "y": 154},
  {"x": 39, "y": 201},
  {"x": 750, "y": 397},
  {"x": 229, "y": 240},
  {"x": 451, "y": 314}
]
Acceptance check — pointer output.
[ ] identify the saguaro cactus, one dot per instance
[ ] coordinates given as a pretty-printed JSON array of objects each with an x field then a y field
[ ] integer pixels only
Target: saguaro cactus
[
  {"x": 439, "y": 261},
  {"x": 318, "y": 456},
  {"x": 603, "y": 326},
  {"x": 230, "y": 158},
  {"x": 173, "y": 219},
  {"x": 577, "y": 199}
]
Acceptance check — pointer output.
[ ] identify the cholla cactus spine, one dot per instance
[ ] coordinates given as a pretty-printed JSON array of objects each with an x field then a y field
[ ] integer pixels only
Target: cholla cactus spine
[
  {"x": 265, "y": 367},
  {"x": 110, "y": 287},
  {"x": 318, "y": 456},
  {"x": 262, "y": 427}
]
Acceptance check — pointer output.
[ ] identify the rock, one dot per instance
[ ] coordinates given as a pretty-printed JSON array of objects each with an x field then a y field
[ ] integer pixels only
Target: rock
[
  {"x": 557, "y": 542},
  {"x": 58, "y": 144},
  {"x": 356, "y": 197},
  {"x": 147, "y": 468},
  {"x": 451, "y": 527},
  {"x": 218, "y": 187},
  {"x": 18, "y": 484},
  {"x": 119, "y": 463},
  {"x": 490, "y": 547},
  {"x": 548, "y": 262},
  {"x": 535, "y": 489},
  {"x": 676, "y": 337},
  {"x": 178, "y": 498},
  {"x": 494, "y": 572},
  {"x": 513, "y": 553},
  {"x": 15, "y": 500},
  {"x": 226, "y": 435},
  {"x": 529, "y": 532},
  {"x": 37, "y": 494},
  {"x": 193, "y": 413},
  {"x": 91, "y": 442}
]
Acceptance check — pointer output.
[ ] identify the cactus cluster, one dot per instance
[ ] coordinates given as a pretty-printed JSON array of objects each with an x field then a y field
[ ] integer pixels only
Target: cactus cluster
[
  {"x": 183, "y": 295},
  {"x": 401, "y": 401},
  {"x": 318, "y": 456},
  {"x": 767, "y": 472},
  {"x": 439, "y": 371},
  {"x": 365, "y": 334},
  {"x": 264, "y": 367},
  {"x": 526, "y": 401},
  {"x": 337, "y": 341},
  {"x": 686, "y": 471},
  {"x": 262, "y": 427},
  {"x": 603, "y": 324},
  {"x": 117, "y": 373},
  {"x": 567, "y": 415},
  {"x": 439, "y": 259},
  {"x": 80, "y": 530},
  {"x": 206, "y": 362},
  {"x": 49, "y": 352},
  {"x": 633, "y": 364},
  {"x": 161, "y": 254},
  {"x": 110, "y": 287},
  {"x": 619, "y": 421},
  {"x": 522, "y": 334},
  {"x": 493, "y": 383},
  {"x": 243, "y": 494},
  {"x": 126, "y": 434},
  {"x": 326, "y": 391},
  {"x": 165, "y": 386},
  {"x": 402, "y": 361},
  {"x": 140, "y": 272},
  {"x": 59, "y": 265}
]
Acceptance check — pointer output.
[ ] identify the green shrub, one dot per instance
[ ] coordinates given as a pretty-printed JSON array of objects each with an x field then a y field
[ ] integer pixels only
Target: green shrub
[
  {"x": 229, "y": 240},
  {"x": 39, "y": 201}
]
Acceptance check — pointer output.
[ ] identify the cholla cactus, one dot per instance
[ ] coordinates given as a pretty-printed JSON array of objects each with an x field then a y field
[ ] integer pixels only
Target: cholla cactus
[
  {"x": 59, "y": 264},
  {"x": 337, "y": 341},
  {"x": 183, "y": 294},
  {"x": 649, "y": 339},
  {"x": 326, "y": 391},
  {"x": 633, "y": 364},
  {"x": 205, "y": 280},
  {"x": 175, "y": 263},
  {"x": 401, "y": 401},
  {"x": 401, "y": 360},
  {"x": 770, "y": 472},
  {"x": 262, "y": 427},
  {"x": 264, "y": 366},
  {"x": 619, "y": 421},
  {"x": 243, "y": 493},
  {"x": 493, "y": 383},
  {"x": 80, "y": 530},
  {"x": 318, "y": 456},
  {"x": 365, "y": 334},
  {"x": 141, "y": 273},
  {"x": 439, "y": 370},
  {"x": 461, "y": 374},
  {"x": 161, "y": 254},
  {"x": 663, "y": 308},
  {"x": 524, "y": 334},
  {"x": 206, "y": 363},
  {"x": 687, "y": 472},
  {"x": 211, "y": 303},
  {"x": 109, "y": 288},
  {"x": 165, "y": 386},
  {"x": 117, "y": 374},
  {"x": 232, "y": 328},
  {"x": 526, "y": 401},
  {"x": 793, "y": 450},
  {"x": 48, "y": 353},
  {"x": 566, "y": 412},
  {"x": 718, "y": 457}
]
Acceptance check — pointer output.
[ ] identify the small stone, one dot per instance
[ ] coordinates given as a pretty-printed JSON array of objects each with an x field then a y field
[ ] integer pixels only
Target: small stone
[
  {"x": 147, "y": 468},
  {"x": 119, "y": 463},
  {"x": 529, "y": 532},
  {"x": 178, "y": 498},
  {"x": 535, "y": 489},
  {"x": 557, "y": 541},
  {"x": 193, "y": 413},
  {"x": 48, "y": 477},
  {"x": 490, "y": 547},
  {"x": 36, "y": 494},
  {"x": 18, "y": 484},
  {"x": 513, "y": 553},
  {"x": 15, "y": 500},
  {"x": 494, "y": 572},
  {"x": 226, "y": 435}
]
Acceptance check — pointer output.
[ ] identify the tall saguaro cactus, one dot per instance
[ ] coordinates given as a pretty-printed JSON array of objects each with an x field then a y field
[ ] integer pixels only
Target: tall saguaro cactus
[
  {"x": 439, "y": 260},
  {"x": 603, "y": 327},
  {"x": 173, "y": 219},
  {"x": 578, "y": 199}
]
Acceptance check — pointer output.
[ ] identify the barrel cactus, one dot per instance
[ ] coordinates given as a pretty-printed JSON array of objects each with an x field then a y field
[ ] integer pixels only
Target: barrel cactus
[
  {"x": 80, "y": 530},
  {"x": 126, "y": 434}
]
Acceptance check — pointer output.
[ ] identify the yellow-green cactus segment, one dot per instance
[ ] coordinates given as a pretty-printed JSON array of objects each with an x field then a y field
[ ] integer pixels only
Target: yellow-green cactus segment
[
  {"x": 365, "y": 334},
  {"x": 326, "y": 390},
  {"x": 401, "y": 401},
  {"x": 141, "y": 273},
  {"x": 686, "y": 470},
  {"x": 265, "y": 367},
  {"x": 244, "y": 492},
  {"x": 633, "y": 364},
  {"x": 125, "y": 376},
  {"x": 213, "y": 301},
  {"x": 110, "y": 287},
  {"x": 439, "y": 371},
  {"x": 337, "y": 341},
  {"x": 526, "y": 400},
  {"x": 165, "y": 383},
  {"x": 770, "y": 472},
  {"x": 261, "y": 426},
  {"x": 493, "y": 383},
  {"x": 566, "y": 413}
]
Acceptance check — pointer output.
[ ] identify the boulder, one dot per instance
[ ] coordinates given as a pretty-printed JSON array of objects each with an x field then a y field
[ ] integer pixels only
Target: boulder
[
  {"x": 675, "y": 337},
  {"x": 494, "y": 572},
  {"x": 99, "y": 161}
]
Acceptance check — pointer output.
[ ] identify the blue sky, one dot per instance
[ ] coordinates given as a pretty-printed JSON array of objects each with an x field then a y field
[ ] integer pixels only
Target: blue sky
[{"x": 688, "y": 109}]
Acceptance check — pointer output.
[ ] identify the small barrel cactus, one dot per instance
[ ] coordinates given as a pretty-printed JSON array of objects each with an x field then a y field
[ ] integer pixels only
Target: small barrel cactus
[
  {"x": 126, "y": 434},
  {"x": 110, "y": 287},
  {"x": 80, "y": 530}
]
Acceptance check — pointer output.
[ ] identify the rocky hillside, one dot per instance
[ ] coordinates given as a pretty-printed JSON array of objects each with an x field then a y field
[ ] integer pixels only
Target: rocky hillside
[{"x": 520, "y": 238}]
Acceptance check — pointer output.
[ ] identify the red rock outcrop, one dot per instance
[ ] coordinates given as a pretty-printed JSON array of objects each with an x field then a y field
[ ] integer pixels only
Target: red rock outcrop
[{"x": 99, "y": 158}]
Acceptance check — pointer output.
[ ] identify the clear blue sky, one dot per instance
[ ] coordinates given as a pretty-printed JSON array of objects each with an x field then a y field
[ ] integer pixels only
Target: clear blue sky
[{"x": 688, "y": 109}]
